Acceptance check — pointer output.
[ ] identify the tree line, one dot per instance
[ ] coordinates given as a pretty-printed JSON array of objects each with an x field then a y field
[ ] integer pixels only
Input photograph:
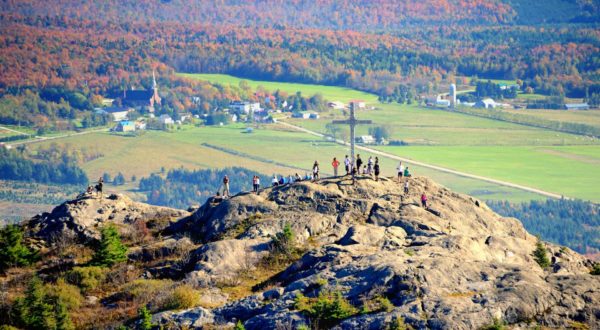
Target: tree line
[
  {"x": 571, "y": 223},
  {"x": 14, "y": 166},
  {"x": 182, "y": 187}
]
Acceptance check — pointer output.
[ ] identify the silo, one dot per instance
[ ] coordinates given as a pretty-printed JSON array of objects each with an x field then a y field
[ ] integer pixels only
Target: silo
[{"x": 452, "y": 96}]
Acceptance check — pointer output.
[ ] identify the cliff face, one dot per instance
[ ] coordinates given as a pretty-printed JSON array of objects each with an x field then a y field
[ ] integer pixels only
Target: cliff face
[{"x": 457, "y": 265}]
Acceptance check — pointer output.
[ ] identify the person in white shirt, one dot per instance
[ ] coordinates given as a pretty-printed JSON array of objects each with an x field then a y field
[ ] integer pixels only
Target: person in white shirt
[
  {"x": 400, "y": 169},
  {"x": 347, "y": 163}
]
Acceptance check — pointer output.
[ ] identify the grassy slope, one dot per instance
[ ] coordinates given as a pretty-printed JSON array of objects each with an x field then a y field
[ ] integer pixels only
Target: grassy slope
[{"x": 331, "y": 93}]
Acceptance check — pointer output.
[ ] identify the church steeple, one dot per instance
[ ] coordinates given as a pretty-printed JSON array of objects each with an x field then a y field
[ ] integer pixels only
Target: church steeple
[{"x": 154, "y": 86}]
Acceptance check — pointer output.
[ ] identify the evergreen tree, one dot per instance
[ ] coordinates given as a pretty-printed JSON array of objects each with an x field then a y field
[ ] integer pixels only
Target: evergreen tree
[
  {"x": 119, "y": 179},
  {"x": 282, "y": 242},
  {"x": 34, "y": 310},
  {"x": 63, "y": 320},
  {"x": 239, "y": 326},
  {"x": 12, "y": 251},
  {"x": 111, "y": 250},
  {"x": 540, "y": 254},
  {"x": 145, "y": 319}
]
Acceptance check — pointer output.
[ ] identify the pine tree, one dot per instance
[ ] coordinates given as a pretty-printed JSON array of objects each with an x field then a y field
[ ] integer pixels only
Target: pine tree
[
  {"x": 12, "y": 252},
  {"x": 239, "y": 326},
  {"x": 540, "y": 254},
  {"x": 34, "y": 310},
  {"x": 63, "y": 320},
  {"x": 145, "y": 319},
  {"x": 111, "y": 249}
]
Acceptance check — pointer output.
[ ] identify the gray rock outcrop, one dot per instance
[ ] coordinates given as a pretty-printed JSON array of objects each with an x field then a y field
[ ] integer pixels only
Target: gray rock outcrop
[
  {"x": 82, "y": 218},
  {"x": 459, "y": 267}
]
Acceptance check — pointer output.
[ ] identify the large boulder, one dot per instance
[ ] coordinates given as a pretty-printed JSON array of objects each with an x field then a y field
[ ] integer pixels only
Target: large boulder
[{"x": 82, "y": 218}]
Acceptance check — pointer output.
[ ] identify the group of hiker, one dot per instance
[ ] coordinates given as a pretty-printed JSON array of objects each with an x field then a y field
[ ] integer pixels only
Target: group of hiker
[{"x": 372, "y": 168}]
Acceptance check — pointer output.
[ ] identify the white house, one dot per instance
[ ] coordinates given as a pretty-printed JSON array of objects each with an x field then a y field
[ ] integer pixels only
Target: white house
[
  {"x": 165, "y": 120},
  {"x": 486, "y": 103},
  {"x": 244, "y": 107},
  {"x": 366, "y": 139}
]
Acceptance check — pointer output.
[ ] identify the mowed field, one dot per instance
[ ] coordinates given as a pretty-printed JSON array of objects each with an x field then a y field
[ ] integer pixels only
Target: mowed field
[
  {"x": 588, "y": 117},
  {"x": 331, "y": 93},
  {"x": 269, "y": 150},
  {"x": 561, "y": 163}
]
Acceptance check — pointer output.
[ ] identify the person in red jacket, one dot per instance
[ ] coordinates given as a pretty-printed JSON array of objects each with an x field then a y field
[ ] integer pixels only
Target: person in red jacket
[
  {"x": 424, "y": 200},
  {"x": 335, "y": 163}
]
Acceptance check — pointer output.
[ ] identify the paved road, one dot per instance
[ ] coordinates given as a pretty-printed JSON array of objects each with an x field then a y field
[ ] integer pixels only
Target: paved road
[
  {"x": 43, "y": 138},
  {"x": 434, "y": 167}
]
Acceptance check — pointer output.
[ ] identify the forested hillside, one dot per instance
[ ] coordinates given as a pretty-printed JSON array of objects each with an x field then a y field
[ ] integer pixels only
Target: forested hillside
[
  {"x": 97, "y": 49},
  {"x": 571, "y": 223}
]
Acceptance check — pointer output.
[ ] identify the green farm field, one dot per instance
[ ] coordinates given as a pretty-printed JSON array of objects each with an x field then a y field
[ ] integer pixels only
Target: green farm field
[
  {"x": 572, "y": 171},
  {"x": 425, "y": 126},
  {"x": 588, "y": 117},
  {"x": 562, "y": 163},
  {"x": 331, "y": 93},
  {"x": 269, "y": 150}
]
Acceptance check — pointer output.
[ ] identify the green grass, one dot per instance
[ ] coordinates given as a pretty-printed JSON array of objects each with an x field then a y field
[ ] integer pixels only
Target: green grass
[
  {"x": 331, "y": 93},
  {"x": 525, "y": 96},
  {"x": 588, "y": 117},
  {"x": 145, "y": 154},
  {"x": 423, "y": 126},
  {"x": 562, "y": 163},
  {"x": 562, "y": 170}
]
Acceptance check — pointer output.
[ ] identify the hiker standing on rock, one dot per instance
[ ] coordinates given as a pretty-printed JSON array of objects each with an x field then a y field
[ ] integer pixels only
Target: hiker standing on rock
[
  {"x": 99, "y": 186},
  {"x": 400, "y": 169},
  {"x": 225, "y": 186},
  {"x": 424, "y": 200},
  {"x": 316, "y": 171},
  {"x": 335, "y": 163},
  {"x": 406, "y": 187},
  {"x": 376, "y": 169},
  {"x": 347, "y": 163},
  {"x": 370, "y": 165},
  {"x": 359, "y": 163},
  {"x": 255, "y": 183},
  {"x": 274, "y": 182}
]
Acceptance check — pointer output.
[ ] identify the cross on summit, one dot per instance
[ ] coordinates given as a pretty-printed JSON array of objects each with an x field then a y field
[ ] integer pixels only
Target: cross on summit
[{"x": 352, "y": 122}]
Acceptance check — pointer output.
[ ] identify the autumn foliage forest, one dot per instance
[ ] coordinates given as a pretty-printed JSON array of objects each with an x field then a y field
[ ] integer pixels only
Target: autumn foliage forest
[{"x": 98, "y": 48}]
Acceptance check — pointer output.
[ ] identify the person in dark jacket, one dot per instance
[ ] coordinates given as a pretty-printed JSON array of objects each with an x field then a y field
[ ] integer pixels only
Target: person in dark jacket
[{"x": 376, "y": 169}]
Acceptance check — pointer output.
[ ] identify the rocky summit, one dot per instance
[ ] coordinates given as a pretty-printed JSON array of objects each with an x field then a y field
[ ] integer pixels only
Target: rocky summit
[{"x": 359, "y": 256}]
